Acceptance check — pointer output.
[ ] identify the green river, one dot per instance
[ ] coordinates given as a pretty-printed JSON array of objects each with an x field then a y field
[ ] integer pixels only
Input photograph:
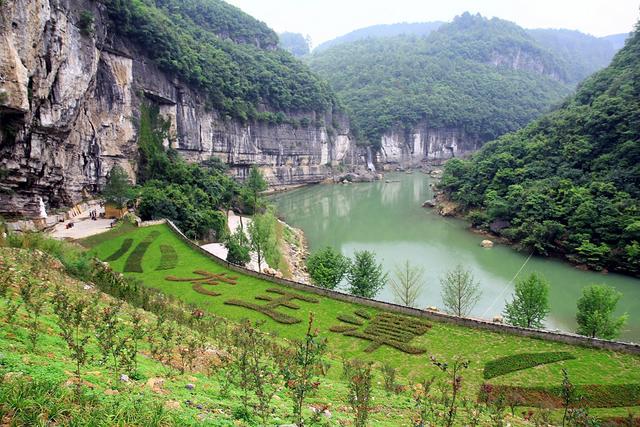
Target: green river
[{"x": 388, "y": 219}]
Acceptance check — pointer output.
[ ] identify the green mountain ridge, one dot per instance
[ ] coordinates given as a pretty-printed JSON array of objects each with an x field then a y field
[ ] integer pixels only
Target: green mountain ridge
[
  {"x": 484, "y": 76},
  {"x": 568, "y": 183},
  {"x": 231, "y": 56}
]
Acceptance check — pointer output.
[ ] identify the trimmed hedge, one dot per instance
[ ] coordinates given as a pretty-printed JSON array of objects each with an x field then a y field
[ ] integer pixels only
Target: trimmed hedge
[
  {"x": 591, "y": 395},
  {"x": 363, "y": 314},
  {"x": 275, "y": 315},
  {"x": 269, "y": 309},
  {"x": 385, "y": 329},
  {"x": 124, "y": 248},
  {"x": 168, "y": 258},
  {"x": 350, "y": 319},
  {"x": 199, "y": 288},
  {"x": 517, "y": 362},
  {"x": 134, "y": 261}
]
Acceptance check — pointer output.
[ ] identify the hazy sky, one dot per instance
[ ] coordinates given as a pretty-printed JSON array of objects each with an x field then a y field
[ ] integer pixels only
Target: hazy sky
[{"x": 326, "y": 19}]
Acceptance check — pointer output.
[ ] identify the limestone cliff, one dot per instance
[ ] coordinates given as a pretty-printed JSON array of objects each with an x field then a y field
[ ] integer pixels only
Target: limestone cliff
[
  {"x": 70, "y": 97},
  {"x": 424, "y": 144}
]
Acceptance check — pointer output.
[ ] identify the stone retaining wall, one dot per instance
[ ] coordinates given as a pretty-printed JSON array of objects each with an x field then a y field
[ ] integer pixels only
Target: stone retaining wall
[{"x": 563, "y": 337}]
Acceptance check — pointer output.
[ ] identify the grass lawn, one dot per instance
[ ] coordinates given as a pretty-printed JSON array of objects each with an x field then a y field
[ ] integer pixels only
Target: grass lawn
[{"x": 444, "y": 341}]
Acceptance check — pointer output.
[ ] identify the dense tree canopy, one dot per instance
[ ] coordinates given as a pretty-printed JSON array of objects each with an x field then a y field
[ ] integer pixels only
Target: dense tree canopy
[
  {"x": 461, "y": 75},
  {"x": 229, "y": 55},
  {"x": 569, "y": 183}
]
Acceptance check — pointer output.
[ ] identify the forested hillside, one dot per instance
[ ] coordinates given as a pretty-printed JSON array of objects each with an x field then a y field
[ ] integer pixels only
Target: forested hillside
[
  {"x": 569, "y": 183},
  {"x": 382, "y": 30},
  {"x": 485, "y": 76},
  {"x": 580, "y": 54},
  {"x": 230, "y": 55}
]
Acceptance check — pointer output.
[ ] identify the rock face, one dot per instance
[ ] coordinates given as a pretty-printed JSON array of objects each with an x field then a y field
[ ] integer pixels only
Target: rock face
[
  {"x": 424, "y": 144},
  {"x": 70, "y": 103}
]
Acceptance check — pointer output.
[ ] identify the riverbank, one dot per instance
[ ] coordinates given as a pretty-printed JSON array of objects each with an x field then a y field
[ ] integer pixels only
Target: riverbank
[
  {"x": 445, "y": 207},
  {"x": 388, "y": 220}
]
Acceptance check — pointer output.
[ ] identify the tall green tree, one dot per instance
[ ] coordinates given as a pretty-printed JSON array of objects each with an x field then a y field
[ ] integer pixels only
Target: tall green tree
[
  {"x": 262, "y": 234},
  {"x": 460, "y": 291},
  {"x": 238, "y": 248},
  {"x": 407, "y": 283},
  {"x": 118, "y": 189},
  {"x": 327, "y": 267},
  {"x": 530, "y": 304},
  {"x": 256, "y": 184},
  {"x": 595, "y": 312},
  {"x": 366, "y": 275}
]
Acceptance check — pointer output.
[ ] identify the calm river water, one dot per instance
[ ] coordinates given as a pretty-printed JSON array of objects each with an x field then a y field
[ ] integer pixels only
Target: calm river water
[{"x": 388, "y": 218}]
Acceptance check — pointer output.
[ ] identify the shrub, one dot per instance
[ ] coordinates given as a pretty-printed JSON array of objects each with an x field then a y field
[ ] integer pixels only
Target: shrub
[
  {"x": 360, "y": 389},
  {"x": 238, "y": 248},
  {"x": 123, "y": 249},
  {"x": 327, "y": 267},
  {"x": 85, "y": 23},
  {"x": 504, "y": 365}
]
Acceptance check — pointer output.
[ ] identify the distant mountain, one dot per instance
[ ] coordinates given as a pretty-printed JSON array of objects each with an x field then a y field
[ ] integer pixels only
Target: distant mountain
[
  {"x": 617, "y": 40},
  {"x": 483, "y": 76},
  {"x": 581, "y": 54},
  {"x": 383, "y": 30},
  {"x": 294, "y": 43},
  {"x": 569, "y": 183}
]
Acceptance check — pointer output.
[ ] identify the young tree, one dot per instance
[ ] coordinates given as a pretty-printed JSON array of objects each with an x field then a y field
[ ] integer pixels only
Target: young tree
[
  {"x": 595, "y": 312},
  {"x": 407, "y": 284},
  {"x": 256, "y": 184},
  {"x": 360, "y": 388},
  {"x": 366, "y": 276},
  {"x": 327, "y": 267},
  {"x": 118, "y": 189},
  {"x": 300, "y": 374},
  {"x": 530, "y": 304},
  {"x": 460, "y": 291},
  {"x": 238, "y": 248},
  {"x": 263, "y": 235}
]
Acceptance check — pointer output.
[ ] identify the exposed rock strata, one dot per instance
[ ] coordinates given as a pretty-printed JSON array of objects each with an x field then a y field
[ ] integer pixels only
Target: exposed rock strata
[
  {"x": 424, "y": 144},
  {"x": 70, "y": 103}
]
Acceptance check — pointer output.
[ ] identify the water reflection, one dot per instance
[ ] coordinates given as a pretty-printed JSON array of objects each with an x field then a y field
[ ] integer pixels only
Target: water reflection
[{"x": 387, "y": 218}]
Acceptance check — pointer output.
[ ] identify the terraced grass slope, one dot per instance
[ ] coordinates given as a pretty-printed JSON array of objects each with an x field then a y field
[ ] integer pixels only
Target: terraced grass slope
[{"x": 443, "y": 341}]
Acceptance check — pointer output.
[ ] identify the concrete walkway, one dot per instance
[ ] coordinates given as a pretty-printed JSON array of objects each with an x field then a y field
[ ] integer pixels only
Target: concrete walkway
[
  {"x": 83, "y": 226},
  {"x": 220, "y": 251}
]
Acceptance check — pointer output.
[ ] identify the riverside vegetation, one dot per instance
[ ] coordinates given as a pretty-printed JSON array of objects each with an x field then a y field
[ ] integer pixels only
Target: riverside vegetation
[
  {"x": 215, "y": 397},
  {"x": 569, "y": 183}
]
